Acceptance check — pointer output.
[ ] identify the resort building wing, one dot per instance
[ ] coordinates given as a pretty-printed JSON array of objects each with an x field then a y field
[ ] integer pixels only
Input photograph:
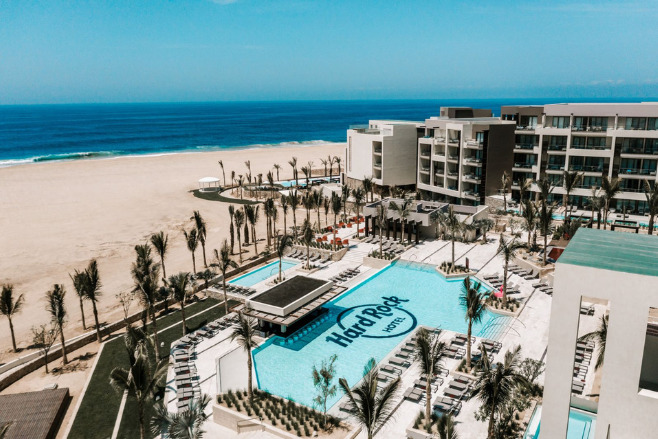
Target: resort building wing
[{"x": 619, "y": 269}]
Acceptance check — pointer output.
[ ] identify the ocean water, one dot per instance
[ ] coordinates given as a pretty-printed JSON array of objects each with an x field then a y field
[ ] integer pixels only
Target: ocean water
[{"x": 38, "y": 133}]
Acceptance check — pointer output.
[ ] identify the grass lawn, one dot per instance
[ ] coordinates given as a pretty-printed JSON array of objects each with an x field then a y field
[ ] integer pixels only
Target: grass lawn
[
  {"x": 100, "y": 405},
  {"x": 216, "y": 196}
]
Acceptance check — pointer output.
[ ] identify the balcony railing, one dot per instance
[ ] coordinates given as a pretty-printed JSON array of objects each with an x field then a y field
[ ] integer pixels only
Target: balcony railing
[
  {"x": 425, "y": 153},
  {"x": 637, "y": 171},
  {"x": 557, "y": 147},
  {"x": 555, "y": 166},
  {"x": 630, "y": 150},
  {"x": 590, "y": 128},
  {"x": 453, "y": 157},
  {"x": 453, "y": 140},
  {"x": 600, "y": 148},
  {"x": 524, "y": 165},
  {"x": 525, "y": 146},
  {"x": 631, "y": 189},
  {"x": 525, "y": 128},
  {"x": 586, "y": 168}
]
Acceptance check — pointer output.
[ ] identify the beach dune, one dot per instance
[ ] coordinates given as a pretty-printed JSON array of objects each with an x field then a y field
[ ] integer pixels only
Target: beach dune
[{"x": 58, "y": 216}]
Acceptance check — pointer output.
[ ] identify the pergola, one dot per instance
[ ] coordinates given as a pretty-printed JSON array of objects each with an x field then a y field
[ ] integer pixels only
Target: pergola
[{"x": 209, "y": 184}]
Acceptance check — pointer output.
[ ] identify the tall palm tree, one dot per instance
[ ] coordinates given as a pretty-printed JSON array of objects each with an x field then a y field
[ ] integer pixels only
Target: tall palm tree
[
  {"x": 269, "y": 208},
  {"x": 160, "y": 243},
  {"x": 145, "y": 272},
  {"x": 545, "y": 222},
  {"x": 247, "y": 163},
  {"x": 92, "y": 290},
  {"x": 428, "y": 351},
  {"x": 529, "y": 215},
  {"x": 270, "y": 181},
  {"x": 221, "y": 165},
  {"x": 403, "y": 210},
  {"x": 545, "y": 188},
  {"x": 239, "y": 221},
  {"x": 308, "y": 201},
  {"x": 598, "y": 336},
  {"x": 284, "y": 208},
  {"x": 358, "y": 194},
  {"x": 277, "y": 167},
  {"x": 10, "y": 307},
  {"x": 504, "y": 184},
  {"x": 570, "y": 180},
  {"x": 337, "y": 160},
  {"x": 330, "y": 160},
  {"x": 324, "y": 163},
  {"x": 293, "y": 163},
  {"x": 453, "y": 224},
  {"x": 284, "y": 243},
  {"x": 317, "y": 204},
  {"x": 253, "y": 216},
  {"x": 78, "y": 278},
  {"x": 244, "y": 332},
  {"x": 293, "y": 200},
  {"x": 231, "y": 213},
  {"x": 192, "y": 240},
  {"x": 336, "y": 205},
  {"x": 524, "y": 189},
  {"x": 57, "y": 310},
  {"x": 326, "y": 206},
  {"x": 508, "y": 250},
  {"x": 201, "y": 232},
  {"x": 651, "y": 194},
  {"x": 186, "y": 424},
  {"x": 240, "y": 184},
  {"x": 472, "y": 300},
  {"x": 368, "y": 187},
  {"x": 382, "y": 217},
  {"x": 611, "y": 187},
  {"x": 371, "y": 407},
  {"x": 496, "y": 383},
  {"x": 595, "y": 202},
  {"x": 224, "y": 262},
  {"x": 307, "y": 238},
  {"x": 345, "y": 194},
  {"x": 179, "y": 284},
  {"x": 142, "y": 378},
  {"x": 446, "y": 427}
]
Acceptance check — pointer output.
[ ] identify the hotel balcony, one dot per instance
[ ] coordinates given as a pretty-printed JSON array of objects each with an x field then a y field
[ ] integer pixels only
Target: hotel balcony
[
  {"x": 635, "y": 152},
  {"x": 377, "y": 151},
  {"x": 454, "y": 175},
  {"x": 473, "y": 161},
  {"x": 473, "y": 144},
  {"x": 588, "y": 168},
  {"x": 471, "y": 178},
  {"x": 556, "y": 149},
  {"x": 555, "y": 168},
  {"x": 527, "y": 128},
  {"x": 471, "y": 195},
  {"x": 377, "y": 164},
  {"x": 590, "y": 129},
  {"x": 526, "y": 148},
  {"x": 521, "y": 166},
  {"x": 636, "y": 172},
  {"x": 439, "y": 140},
  {"x": 425, "y": 169},
  {"x": 425, "y": 152},
  {"x": 453, "y": 141},
  {"x": 454, "y": 158}
]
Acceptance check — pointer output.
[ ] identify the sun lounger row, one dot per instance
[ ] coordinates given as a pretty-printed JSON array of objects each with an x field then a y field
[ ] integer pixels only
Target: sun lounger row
[
  {"x": 312, "y": 256},
  {"x": 239, "y": 289},
  {"x": 345, "y": 275},
  {"x": 446, "y": 405}
]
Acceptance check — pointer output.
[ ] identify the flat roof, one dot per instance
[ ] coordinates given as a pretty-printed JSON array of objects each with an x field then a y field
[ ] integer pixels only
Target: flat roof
[
  {"x": 36, "y": 415},
  {"x": 289, "y": 291},
  {"x": 615, "y": 251}
]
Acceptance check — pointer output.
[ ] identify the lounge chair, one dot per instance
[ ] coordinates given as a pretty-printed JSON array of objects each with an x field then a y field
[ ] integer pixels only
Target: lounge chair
[
  {"x": 530, "y": 275},
  {"x": 539, "y": 285},
  {"x": 447, "y": 405},
  {"x": 346, "y": 407},
  {"x": 392, "y": 370},
  {"x": 404, "y": 355},
  {"x": 413, "y": 394},
  {"x": 401, "y": 363},
  {"x": 384, "y": 377},
  {"x": 458, "y": 385},
  {"x": 454, "y": 393},
  {"x": 452, "y": 352},
  {"x": 491, "y": 276}
]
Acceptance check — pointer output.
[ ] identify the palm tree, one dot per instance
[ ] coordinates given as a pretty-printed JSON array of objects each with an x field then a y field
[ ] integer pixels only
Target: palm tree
[
  {"x": 55, "y": 306},
  {"x": 403, "y": 211},
  {"x": 484, "y": 225},
  {"x": 571, "y": 181},
  {"x": 326, "y": 206},
  {"x": 240, "y": 184},
  {"x": 239, "y": 221},
  {"x": 382, "y": 217},
  {"x": 336, "y": 205},
  {"x": 143, "y": 377},
  {"x": 651, "y": 194},
  {"x": 293, "y": 163},
  {"x": 324, "y": 163},
  {"x": 159, "y": 241},
  {"x": 453, "y": 224},
  {"x": 496, "y": 384},
  {"x": 475, "y": 308},
  {"x": 181, "y": 425},
  {"x": 611, "y": 188},
  {"x": 284, "y": 242},
  {"x": 545, "y": 188},
  {"x": 77, "y": 278},
  {"x": 308, "y": 201},
  {"x": 317, "y": 204},
  {"x": 446, "y": 427},
  {"x": 10, "y": 307},
  {"x": 504, "y": 183},
  {"x": 253, "y": 217},
  {"x": 524, "y": 189},
  {"x": 224, "y": 262},
  {"x": 428, "y": 351},
  {"x": 545, "y": 222},
  {"x": 508, "y": 250},
  {"x": 307, "y": 238},
  {"x": 244, "y": 332},
  {"x": 192, "y": 240},
  {"x": 179, "y": 284},
  {"x": 358, "y": 194},
  {"x": 92, "y": 291},
  {"x": 145, "y": 272},
  {"x": 371, "y": 407},
  {"x": 201, "y": 231},
  {"x": 221, "y": 165},
  {"x": 293, "y": 200},
  {"x": 529, "y": 215},
  {"x": 598, "y": 336},
  {"x": 368, "y": 187},
  {"x": 307, "y": 174},
  {"x": 337, "y": 160},
  {"x": 284, "y": 208},
  {"x": 231, "y": 213},
  {"x": 269, "y": 208},
  {"x": 277, "y": 167},
  {"x": 345, "y": 193},
  {"x": 330, "y": 160},
  {"x": 322, "y": 380}
]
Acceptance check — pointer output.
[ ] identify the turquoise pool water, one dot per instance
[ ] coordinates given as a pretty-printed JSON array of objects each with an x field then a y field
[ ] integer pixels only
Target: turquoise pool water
[
  {"x": 385, "y": 309},
  {"x": 269, "y": 270},
  {"x": 581, "y": 425}
]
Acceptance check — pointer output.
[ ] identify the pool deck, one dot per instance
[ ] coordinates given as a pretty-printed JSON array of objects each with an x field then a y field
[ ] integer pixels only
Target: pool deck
[{"x": 530, "y": 329}]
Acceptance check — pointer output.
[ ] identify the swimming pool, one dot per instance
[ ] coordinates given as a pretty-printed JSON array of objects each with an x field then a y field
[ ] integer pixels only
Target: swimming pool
[
  {"x": 581, "y": 425},
  {"x": 367, "y": 321},
  {"x": 269, "y": 270}
]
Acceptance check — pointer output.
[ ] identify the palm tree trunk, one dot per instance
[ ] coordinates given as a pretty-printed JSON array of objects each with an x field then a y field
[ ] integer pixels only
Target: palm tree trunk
[
  {"x": 11, "y": 329},
  {"x": 253, "y": 236},
  {"x": 155, "y": 332},
  {"x": 203, "y": 248},
  {"x": 505, "y": 282},
  {"x": 452, "y": 238},
  {"x": 142, "y": 427},
  {"x": 182, "y": 313},
  {"x": 650, "y": 224},
  {"x": 82, "y": 313},
  {"x": 45, "y": 360},
  {"x": 380, "y": 242},
  {"x": 308, "y": 258},
  {"x": 357, "y": 221},
  {"x": 164, "y": 271},
  {"x": 605, "y": 215},
  {"x": 193, "y": 264},
  {"x": 239, "y": 245},
  {"x": 468, "y": 345},
  {"x": 294, "y": 223},
  {"x": 319, "y": 222},
  {"x": 224, "y": 288},
  {"x": 428, "y": 400},
  {"x": 279, "y": 270},
  {"x": 98, "y": 326},
  {"x": 491, "y": 422},
  {"x": 65, "y": 360},
  {"x": 250, "y": 387},
  {"x": 545, "y": 244}
]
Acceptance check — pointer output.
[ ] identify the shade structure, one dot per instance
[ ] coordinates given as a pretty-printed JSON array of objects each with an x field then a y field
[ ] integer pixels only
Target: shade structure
[{"x": 209, "y": 184}]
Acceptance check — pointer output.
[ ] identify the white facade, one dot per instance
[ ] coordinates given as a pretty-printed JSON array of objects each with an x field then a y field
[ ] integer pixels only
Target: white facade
[{"x": 385, "y": 151}]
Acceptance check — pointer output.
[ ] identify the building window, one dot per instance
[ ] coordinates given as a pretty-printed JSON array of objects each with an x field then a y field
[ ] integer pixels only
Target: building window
[
  {"x": 653, "y": 124},
  {"x": 636, "y": 123},
  {"x": 479, "y": 136},
  {"x": 560, "y": 122}
]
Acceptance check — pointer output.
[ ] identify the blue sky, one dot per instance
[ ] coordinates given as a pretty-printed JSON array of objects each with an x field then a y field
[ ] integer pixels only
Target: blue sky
[{"x": 202, "y": 50}]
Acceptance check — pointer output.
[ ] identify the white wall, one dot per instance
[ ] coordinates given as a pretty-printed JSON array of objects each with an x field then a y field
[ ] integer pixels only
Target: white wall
[{"x": 232, "y": 371}]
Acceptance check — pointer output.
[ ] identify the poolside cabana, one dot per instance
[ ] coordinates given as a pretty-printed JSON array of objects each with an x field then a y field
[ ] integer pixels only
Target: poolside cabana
[{"x": 209, "y": 184}]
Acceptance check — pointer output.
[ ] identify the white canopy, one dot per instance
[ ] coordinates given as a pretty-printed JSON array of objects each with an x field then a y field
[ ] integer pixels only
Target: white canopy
[
  {"x": 209, "y": 184},
  {"x": 209, "y": 180}
]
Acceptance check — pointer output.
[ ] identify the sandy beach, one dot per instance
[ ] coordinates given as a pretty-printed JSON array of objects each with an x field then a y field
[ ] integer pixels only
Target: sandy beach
[{"x": 57, "y": 216}]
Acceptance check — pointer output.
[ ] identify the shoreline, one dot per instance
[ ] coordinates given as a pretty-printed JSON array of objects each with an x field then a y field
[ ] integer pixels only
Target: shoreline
[{"x": 110, "y": 155}]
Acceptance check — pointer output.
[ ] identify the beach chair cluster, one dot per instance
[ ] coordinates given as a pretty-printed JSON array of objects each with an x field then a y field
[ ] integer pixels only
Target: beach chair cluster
[
  {"x": 496, "y": 281},
  {"x": 418, "y": 391},
  {"x": 457, "y": 390},
  {"x": 521, "y": 272},
  {"x": 457, "y": 350},
  {"x": 388, "y": 245},
  {"x": 240, "y": 290},
  {"x": 581, "y": 364},
  {"x": 544, "y": 287},
  {"x": 314, "y": 256},
  {"x": 345, "y": 275}
]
